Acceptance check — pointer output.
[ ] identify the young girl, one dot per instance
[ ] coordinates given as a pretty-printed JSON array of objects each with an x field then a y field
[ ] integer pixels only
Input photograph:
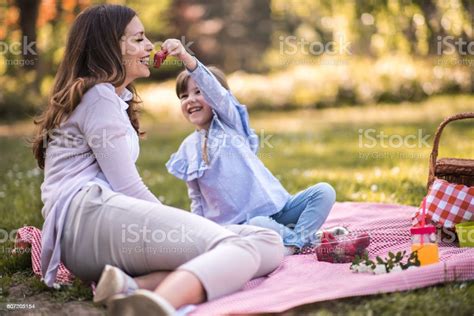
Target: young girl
[{"x": 227, "y": 182}]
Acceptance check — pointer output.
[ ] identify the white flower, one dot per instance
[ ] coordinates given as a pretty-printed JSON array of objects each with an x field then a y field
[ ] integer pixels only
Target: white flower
[
  {"x": 363, "y": 268},
  {"x": 396, "y": 268},
  {"x": 412, "y": 267},
  {"x": 378, "y": 172},
  {"x": 379, "y": 269},
  {"x": 355, "y": 267},
  {"x": 359, "y": 177},
  {"x": 395, "y": 170}
]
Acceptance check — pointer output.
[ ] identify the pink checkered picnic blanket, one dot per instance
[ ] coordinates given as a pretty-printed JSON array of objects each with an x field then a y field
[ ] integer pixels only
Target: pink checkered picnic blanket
[
  {"x": 302, "y": 279},
  {"x": 31, "y": 236},
  {"x": 447, "y": 204}
]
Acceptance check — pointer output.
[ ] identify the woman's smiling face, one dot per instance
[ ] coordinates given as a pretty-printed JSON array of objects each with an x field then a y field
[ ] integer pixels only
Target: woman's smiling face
[
  {"x": 136, "y": 49},
  {"x": 194, "y": 107}
]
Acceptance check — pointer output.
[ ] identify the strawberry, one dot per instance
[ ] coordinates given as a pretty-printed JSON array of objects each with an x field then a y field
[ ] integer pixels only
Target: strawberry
[
  {"x": 349, "y": 249},
  {"x": 325, "y": 252},
  {"x": 362, "y": 241},
  {"x": 341, "y": 251},
  {"x": 327, "y": 236},
  {"x": 345, "y": 259},
  {"x": 159, "y": 58}
]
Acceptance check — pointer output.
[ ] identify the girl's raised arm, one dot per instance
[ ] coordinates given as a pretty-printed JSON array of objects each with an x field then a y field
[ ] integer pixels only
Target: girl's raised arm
[{"x": 220, "y": 99}]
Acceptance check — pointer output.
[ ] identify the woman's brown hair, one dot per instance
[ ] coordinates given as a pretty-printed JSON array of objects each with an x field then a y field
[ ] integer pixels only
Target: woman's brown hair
[
  {"x": 183, "y": 78},
  {"x": 93, "y": 55}
]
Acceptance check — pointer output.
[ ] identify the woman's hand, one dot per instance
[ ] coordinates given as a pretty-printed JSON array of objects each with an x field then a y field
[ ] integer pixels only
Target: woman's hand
[{"x": 174, "y": 47}]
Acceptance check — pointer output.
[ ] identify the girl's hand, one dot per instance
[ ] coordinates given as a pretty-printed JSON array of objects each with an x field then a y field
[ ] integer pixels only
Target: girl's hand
[{"x": 174, "y": 47}]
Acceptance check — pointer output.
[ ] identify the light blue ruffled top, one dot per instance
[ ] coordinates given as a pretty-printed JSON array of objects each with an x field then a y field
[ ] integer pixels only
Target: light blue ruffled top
[{"x": 235, "y": 185}]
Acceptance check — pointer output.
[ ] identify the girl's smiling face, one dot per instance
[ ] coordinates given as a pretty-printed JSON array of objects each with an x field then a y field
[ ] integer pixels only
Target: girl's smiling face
[{"x": 194, "y": 107}]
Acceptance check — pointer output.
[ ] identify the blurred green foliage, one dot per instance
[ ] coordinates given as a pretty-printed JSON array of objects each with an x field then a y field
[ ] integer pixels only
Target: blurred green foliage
[{"x": 331, "y": 52}]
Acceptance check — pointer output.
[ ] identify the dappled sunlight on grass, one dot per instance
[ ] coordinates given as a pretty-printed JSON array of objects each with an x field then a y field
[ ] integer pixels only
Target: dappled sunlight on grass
[
  {"x": 304, "y": 147},
  {"x": 160, "y": 99},
  {"x": 431, "y": 110},
  {"x": 393, "y": 78}
]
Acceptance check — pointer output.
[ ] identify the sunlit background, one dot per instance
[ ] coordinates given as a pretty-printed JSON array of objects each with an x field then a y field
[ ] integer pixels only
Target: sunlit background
[{"x": 277, "y": 53}]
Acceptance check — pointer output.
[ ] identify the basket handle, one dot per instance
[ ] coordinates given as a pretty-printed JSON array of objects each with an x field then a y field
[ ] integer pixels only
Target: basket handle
[{"x": 434, "y": 152}]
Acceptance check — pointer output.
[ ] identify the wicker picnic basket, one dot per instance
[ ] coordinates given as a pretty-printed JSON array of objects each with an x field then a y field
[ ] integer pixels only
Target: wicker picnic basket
[{"x": 453, "y": 170}]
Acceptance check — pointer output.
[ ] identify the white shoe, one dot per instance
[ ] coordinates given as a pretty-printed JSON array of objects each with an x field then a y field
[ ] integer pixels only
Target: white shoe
[
  {"x": 140, "y": 303},
  {"x": 113, "y": 281}
]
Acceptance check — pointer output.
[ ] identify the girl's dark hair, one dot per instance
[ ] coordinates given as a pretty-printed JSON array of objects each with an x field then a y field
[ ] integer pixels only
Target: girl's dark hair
[
  {"x": 183, "y": 78},
  {"x": 93, "y": 55}
]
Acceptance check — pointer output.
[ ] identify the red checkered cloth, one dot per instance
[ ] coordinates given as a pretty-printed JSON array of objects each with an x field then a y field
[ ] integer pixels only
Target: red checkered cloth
[
  {"x": 447, "y": 204},
  {"x": 30, "y": 236},
  {"x": 302, "y": 279}
]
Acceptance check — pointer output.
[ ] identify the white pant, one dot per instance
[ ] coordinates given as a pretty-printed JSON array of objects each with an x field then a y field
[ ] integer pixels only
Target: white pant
[{"x": 104, "y": 227}]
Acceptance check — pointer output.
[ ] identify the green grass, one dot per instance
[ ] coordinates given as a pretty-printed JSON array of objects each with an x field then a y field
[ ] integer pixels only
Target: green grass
[{"x": 305, "y": 147}]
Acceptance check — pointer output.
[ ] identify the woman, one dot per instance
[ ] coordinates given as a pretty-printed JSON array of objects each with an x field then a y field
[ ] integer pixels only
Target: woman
[{"x": 100, "y": 218}]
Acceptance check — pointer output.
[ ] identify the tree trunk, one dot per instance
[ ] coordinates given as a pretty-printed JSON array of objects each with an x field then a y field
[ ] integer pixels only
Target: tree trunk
[
  {"x": 29, "y": 10},
  {"x": 469, "y": 7},
  {"x": 231, "y": 34},
  {"x": 433, "y": 23}
]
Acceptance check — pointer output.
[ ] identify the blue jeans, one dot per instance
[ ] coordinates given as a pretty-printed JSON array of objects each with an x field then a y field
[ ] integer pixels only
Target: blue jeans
[{"x": 301, "y": 217}]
